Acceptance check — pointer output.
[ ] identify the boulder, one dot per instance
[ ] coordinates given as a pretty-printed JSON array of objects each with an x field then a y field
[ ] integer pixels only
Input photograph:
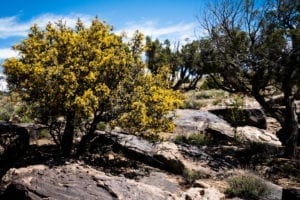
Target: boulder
[
  {"x": 220, "y": 131},
  {"x": 203, "y": 122},
  {"x": 172, "y": 156},
  {"x": 188, "y": 120},
  {"x": 14, "y": 141},
  {"x": 245, "y": 117},
  {"x": 195, "y": 121},
  {"x": 254, "y": 134},
  {"x": 74, "y": 181},
  {"x": 164, "y": 155},
  {"x": 168, "y": 153}
]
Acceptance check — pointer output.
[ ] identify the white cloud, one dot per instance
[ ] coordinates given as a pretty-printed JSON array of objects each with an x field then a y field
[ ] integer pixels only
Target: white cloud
[
  {"x": 174, "y": 32},
  {"x": 7, "y": 53},
  {"x": 11, "y": 26}
]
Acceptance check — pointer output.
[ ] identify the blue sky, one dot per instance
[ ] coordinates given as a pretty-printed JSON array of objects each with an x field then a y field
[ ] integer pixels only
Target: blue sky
[
  {"x": 173, "y": 19},
  {"x": 163, "y": 19}
]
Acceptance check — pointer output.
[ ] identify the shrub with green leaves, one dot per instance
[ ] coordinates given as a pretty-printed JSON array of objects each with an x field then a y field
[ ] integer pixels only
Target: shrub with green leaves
[
  {"x": 247, "y": 187},
  {"x": 193, "y": 104},
  {"x": 101, "y": 126},
  {"x": 209, "y": 83},
  {"x": 237, "y": 114},
  {"x": 190, "y": 176},
  {"x": 197, "y": 139}
]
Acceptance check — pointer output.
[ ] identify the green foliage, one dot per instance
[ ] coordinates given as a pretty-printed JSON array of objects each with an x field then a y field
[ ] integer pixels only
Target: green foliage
[
  {"x": 25, "y": 112},
  {"x": 217, "y": 102},
  {"x": 203, "y": 95},
  {"x": 192, "y": 104},
  {"x": 158, "y": 55},
  {"x": 101, "y": 126},
  {"x": 246, "y": 41},
  {"x": 237, "y": 114},
  {"x": 190, "y": 176},
  {"x": 197, "y": 139},
  {"x": 184, "y": 62},
  {"x": 290, "y": 168},
  {"x": 257, "y": 153},
  {"x": 44, "y": 133},
  {"x": 240, "y": 139},
  {"x": 209, "y": 84},
  {"x": 13, "y": 108},
  {"x": 6, "y": 112},
  {"x": 209, "y": 94},
  {"x": 247, "y": 187}
]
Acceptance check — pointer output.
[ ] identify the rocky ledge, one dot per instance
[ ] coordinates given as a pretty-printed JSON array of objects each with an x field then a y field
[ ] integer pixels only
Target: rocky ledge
[{"x": 79, "y": 181}]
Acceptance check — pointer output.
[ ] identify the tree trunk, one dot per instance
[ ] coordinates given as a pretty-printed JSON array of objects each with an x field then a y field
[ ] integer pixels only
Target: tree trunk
[
  {"x": 83, "y": 145},
  {"x": 194, "y": 82},
  {"x": 68, "y": 135},
  {"x": 291, "y": 128},
  {"x": 276, "y": 113}
]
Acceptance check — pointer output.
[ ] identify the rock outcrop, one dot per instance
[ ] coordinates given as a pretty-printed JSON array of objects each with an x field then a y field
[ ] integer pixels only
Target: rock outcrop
[
  {"x": 78, "y": 181},
  {"x": 164, "y": 155},
  {"x": 254, "y": 134},
  {"x": 195, "y": 121},
  {"x": 245, "y": 117},
  {"x": 74, "y": 181},
  {"x": 189, "y": 121}
]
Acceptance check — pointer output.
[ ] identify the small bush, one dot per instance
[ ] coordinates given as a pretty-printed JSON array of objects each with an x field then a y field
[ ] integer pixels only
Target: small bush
[
  {"x": 6, "y": 111},
  {"x": 101, "y": 126},
  {"x": 247, "y": 187},
  {"x": 217, "y": 102},
  {"x": 180, "y": 139},
  {"x": 44, "y": 133},
  {"x": 203, "y": 95},
  {"x": 209, "y": 84},
  {"x": 237, "y": 115},
  {"x": 190, "y": 176},
  {"x": 197, "y": 139},
  {"x": 192, "y": 104},
  {"x": 257, "y": 153}
]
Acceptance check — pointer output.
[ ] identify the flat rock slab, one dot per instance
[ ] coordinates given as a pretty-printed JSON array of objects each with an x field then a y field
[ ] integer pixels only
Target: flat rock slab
[
  {"x": 74, "y": 181},
  {"x": 163, "y": 181},
  {"x": 195, "y": 120},
  {"x": 164, "y": 155},
  {"x": 190, "y": 121},
  {"x": 80, "y": 182}
]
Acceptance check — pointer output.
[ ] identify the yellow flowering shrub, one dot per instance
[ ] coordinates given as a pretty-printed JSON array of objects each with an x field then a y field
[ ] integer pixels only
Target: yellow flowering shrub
[{"x": 89, "y": 73}]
